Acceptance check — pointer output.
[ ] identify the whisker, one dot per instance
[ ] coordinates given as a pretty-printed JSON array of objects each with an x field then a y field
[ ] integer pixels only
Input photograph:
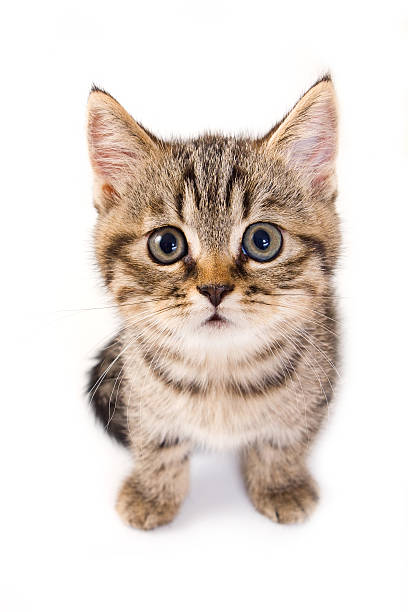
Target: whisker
[
  {"x": 301, "y": 306},
  {"x": 98, "y": 382},
  {"x": 308, "y": 337}
]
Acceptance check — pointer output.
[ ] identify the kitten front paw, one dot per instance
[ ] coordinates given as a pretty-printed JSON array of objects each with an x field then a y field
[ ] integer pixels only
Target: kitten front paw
[
  {"x": 292, "y": 504},
  {"x": 136, "y": 510}
]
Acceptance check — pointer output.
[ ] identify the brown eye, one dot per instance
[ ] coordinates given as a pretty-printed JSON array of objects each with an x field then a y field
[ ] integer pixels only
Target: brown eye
[
  {"x": 262, "y": 241},
  {"x": 167, "y": 245}
]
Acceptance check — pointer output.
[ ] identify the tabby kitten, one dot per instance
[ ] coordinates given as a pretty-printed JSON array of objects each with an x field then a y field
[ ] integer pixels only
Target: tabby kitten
[{"x": 219, "y": 253}]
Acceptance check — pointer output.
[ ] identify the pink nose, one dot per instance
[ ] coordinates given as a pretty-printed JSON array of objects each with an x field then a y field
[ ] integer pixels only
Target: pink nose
[{"x": 215, "y": 293}]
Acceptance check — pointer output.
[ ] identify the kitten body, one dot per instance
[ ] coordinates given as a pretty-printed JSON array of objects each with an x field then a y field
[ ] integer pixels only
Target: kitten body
[{"x": 217, "y": 349}]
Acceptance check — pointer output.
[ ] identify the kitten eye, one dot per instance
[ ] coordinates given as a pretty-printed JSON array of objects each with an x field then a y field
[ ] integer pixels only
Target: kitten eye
[
  {"x": 262, "y": 241},
  {"x": 167, "y": 245}
]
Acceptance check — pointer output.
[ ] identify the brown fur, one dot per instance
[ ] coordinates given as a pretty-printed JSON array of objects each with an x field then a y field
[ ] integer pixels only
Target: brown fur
[{"x": 262, "y": 382}]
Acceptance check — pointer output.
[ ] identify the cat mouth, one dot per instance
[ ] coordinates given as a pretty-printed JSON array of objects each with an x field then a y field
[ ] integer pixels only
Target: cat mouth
[{"x": 216, "y": 320}]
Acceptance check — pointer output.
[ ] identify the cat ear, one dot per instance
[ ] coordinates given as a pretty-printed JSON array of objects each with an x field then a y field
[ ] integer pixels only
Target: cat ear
[
  {"x": 307, "y": 137},
  {"x": 118, "y": 146}
]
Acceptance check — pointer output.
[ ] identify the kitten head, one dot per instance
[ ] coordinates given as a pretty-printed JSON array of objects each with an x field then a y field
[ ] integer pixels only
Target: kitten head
[{"x": 217, "y": 242}]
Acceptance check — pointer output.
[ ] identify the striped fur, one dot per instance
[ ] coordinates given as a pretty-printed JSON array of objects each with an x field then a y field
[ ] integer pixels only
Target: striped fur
[{"x": 260, "y": 382}]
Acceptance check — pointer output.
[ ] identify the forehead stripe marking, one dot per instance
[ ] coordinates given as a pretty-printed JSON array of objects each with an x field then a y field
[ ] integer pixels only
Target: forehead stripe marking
[
  {"x": 180, "y": 204},
  {"x": 234, "y": 178},
  {"x": 191, "y": 181},
  {"x": 237, "y": 176}
]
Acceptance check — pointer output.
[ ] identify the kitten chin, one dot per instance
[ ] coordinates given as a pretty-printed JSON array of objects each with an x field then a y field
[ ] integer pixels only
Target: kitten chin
[{"x": 220, "y": 254}]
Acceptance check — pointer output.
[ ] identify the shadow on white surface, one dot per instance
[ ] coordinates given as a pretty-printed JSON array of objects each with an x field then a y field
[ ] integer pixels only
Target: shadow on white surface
[{"x": 216, "y": 488}]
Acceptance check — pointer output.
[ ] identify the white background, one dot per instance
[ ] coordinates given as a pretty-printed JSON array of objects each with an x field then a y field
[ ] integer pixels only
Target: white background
[{"x": 181, "y": 67}]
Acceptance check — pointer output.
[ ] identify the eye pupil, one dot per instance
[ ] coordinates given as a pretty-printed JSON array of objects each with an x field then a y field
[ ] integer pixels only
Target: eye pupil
[
  {"x": 168, "y": 243},
  {"x": 261, "y": 239}
]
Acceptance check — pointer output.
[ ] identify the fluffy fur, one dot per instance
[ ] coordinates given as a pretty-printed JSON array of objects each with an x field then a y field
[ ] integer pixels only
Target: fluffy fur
[{"x": 172, "y": 380}]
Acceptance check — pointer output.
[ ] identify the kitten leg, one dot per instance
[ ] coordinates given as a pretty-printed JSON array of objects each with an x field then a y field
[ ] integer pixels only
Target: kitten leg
[
  {"x": 278, "y": 482},
  {"x": 152, "y": 494}
]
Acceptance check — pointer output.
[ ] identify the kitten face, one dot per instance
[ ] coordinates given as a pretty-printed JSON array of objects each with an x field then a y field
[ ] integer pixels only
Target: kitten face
[{"x": 224, "y": 292}]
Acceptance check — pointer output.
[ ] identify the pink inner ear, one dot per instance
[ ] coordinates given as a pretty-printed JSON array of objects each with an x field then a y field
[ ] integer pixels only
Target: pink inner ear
[
  {"x": 109, "y": 154},
  {"x": 312, "y": 145},
  {"x": 318, "y": 150}
]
